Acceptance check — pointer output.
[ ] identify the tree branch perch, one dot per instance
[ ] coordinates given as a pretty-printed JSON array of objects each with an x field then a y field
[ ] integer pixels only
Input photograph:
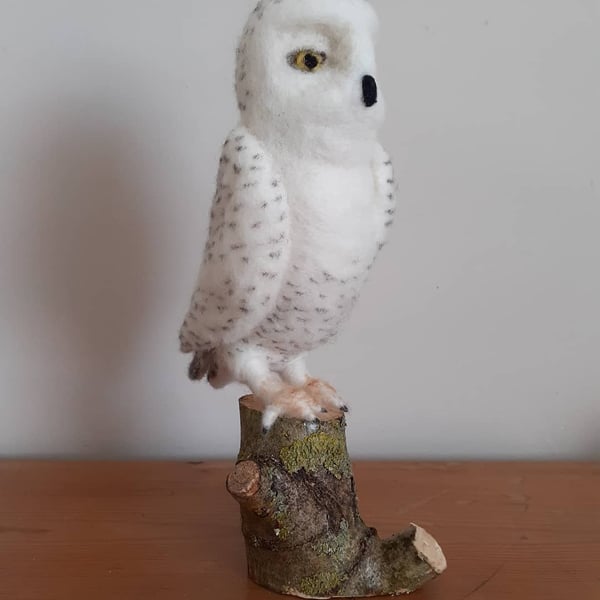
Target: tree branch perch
[{"x": 300, "y": 520}]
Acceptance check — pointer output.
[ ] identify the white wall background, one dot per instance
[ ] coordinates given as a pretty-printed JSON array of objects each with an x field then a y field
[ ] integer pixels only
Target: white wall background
[{"x": 479, "y": 334}]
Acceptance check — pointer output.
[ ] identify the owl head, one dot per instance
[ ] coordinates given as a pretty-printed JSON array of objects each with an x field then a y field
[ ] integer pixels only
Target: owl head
[{"x": 306, "y": 70}]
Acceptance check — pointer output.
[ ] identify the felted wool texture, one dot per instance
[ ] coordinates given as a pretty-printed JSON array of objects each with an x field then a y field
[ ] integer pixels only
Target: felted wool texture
[
  {"x": 305, "y": 194},
  {"x": 321, "y": 114}
]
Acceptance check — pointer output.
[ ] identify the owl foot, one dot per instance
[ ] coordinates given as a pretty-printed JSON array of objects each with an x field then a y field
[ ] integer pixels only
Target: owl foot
[
  {"x": 292, "y": 402},
  {"x": 326, "y": 396}
]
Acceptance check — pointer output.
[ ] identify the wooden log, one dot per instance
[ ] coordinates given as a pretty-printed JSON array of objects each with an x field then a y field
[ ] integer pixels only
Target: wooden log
[{"x": 300, "y": 520}]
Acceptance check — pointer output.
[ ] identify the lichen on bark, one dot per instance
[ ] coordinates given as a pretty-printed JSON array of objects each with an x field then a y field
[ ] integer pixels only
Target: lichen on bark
[
  {"x": 316, "y": 451},
  {"x": 316, "y": 585}
]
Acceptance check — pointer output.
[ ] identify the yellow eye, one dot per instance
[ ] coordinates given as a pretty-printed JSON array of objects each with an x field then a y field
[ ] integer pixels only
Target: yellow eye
[{"x": 308, "y": 60}]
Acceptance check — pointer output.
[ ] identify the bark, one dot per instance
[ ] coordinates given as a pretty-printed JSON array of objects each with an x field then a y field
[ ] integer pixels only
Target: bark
[{"x": 300, "y": 520}]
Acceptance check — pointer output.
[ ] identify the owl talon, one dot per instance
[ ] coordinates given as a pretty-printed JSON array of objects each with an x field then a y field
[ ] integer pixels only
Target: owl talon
[
  {"x": 326, "y": 396},
  {"x": 289, "y": 402},
  {"x": 270, "y": 415}
]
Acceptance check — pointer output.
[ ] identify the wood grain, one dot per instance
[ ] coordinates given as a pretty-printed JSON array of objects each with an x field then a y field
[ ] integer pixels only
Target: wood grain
[{"x": 125, "y": 531}]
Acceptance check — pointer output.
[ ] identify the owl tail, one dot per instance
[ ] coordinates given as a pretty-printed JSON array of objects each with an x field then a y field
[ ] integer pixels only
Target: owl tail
[
  {"x": 201, "y": 364},
  {"x": 204, "y": 364}
]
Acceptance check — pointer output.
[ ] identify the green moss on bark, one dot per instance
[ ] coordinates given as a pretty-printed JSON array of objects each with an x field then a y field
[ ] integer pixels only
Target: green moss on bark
[
  {"x": 320, "y": 585},
  {"x": 316, "y": 451}
]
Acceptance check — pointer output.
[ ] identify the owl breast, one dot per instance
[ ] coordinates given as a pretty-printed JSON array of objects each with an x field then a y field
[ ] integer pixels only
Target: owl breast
[
  {"x": 335, "y": 228},
  {"x": 335, "y": 220}
]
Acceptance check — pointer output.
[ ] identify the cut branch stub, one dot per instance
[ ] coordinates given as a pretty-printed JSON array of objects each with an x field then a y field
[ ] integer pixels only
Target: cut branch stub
[
  {"x": 300, "y": 520},
  {"x": 243, "y": 482}
]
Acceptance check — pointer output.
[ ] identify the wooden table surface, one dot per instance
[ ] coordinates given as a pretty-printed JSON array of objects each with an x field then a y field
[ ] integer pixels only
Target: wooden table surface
[{"x": 124, "y": 531}]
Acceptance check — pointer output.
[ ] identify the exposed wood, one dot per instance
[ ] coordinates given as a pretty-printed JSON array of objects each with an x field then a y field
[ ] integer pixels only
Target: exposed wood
[
  {"x": 304, "y": 534},
  {"x": 170, "y": 531}
]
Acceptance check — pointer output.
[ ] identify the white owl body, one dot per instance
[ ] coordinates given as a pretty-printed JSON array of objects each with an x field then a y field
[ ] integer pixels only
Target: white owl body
[
  {"x": 304, "y": 200},
  {"x": 335, "y": 214},
  {"x": 336, "y": 225}
]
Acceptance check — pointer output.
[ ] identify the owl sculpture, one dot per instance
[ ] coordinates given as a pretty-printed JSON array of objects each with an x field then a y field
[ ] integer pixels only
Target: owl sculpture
[{"x": 304, "y": 201}]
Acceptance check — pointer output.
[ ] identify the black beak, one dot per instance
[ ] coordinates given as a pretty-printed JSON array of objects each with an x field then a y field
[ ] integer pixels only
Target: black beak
[{"x": 369, "y": 86}]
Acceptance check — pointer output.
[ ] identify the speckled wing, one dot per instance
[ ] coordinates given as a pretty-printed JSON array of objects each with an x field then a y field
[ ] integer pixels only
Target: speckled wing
[
  {"x": 247, "y": 251},
  {"x": 385, "y": 185}
]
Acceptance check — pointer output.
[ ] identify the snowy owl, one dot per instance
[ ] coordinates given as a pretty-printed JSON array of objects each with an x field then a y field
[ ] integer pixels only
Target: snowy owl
[{"x": 304, "y": 200}]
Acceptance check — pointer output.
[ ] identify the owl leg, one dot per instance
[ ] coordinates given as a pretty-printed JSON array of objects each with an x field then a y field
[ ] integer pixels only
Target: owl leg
[
  {"x": 296, "y": 373},
  {"x": 278, "y": 397}
]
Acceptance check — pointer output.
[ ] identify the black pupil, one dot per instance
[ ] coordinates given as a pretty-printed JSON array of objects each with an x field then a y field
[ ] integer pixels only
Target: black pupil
[{"x": 311, "y": 61}]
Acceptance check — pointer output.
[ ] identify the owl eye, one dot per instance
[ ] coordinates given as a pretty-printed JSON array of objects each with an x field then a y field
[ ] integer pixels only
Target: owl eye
[{"x": 308, "y": 61}]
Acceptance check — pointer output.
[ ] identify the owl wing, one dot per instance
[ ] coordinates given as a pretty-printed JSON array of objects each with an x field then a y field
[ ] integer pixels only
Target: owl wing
[
  {"x": 385, "y": 186},
  {"x": 247, "y": 251}
]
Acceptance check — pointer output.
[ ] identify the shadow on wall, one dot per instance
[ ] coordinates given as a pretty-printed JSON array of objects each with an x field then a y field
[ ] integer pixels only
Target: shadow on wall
[{"x": 91, "y": 267}]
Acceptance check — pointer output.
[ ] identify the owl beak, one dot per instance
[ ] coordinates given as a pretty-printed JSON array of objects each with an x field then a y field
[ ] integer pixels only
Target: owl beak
[{"x": 369, "y": 86}]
